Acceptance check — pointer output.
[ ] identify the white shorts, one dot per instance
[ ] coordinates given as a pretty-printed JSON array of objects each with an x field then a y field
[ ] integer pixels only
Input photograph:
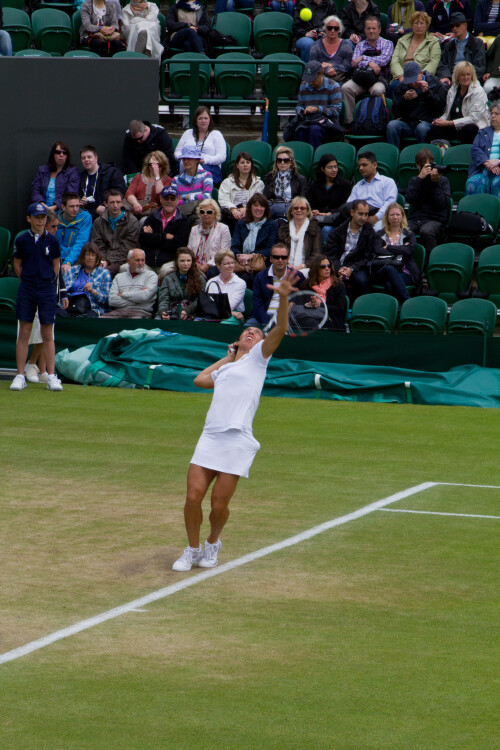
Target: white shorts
[{"x": 231, "y": 451}]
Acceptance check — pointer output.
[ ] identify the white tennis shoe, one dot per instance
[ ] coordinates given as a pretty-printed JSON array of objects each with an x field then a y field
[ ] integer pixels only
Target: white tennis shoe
[
  {"x": 190, "y": 557},
  {"x": 31, "y": 373},
  {"x": 209, "y": 559},
  {"x": 18, "y": 384},
  {"x": 53, "y": 383}
]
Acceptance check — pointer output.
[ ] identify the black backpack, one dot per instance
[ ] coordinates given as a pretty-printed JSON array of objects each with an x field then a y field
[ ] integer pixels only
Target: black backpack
[{"x": 372, "y": 117}]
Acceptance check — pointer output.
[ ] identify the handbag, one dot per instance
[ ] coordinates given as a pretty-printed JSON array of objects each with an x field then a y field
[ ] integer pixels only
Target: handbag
[
  {"x": 255, "y": 264},
  {"x": 213, "y": 306},
  {"x": 79, "y": 304}
]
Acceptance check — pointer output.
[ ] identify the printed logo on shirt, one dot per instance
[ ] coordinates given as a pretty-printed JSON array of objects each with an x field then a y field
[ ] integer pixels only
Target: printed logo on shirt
[{"x": 47, "y": 251}]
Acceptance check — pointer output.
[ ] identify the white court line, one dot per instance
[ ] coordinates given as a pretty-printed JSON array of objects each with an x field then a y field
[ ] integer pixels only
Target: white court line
[
  {"x": 435, "y": 513},
  {"x": 459, "y": 484},
  {"x": 91, "y": 622}
]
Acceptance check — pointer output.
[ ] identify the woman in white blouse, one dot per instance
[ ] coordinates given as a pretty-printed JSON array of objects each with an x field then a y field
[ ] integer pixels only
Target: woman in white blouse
[
  {"x": 237, "y": 189},
  {"x": 228, "y": 283},
  {"x": 208, "y": 235},
  {"x": 210, "y": 142}
]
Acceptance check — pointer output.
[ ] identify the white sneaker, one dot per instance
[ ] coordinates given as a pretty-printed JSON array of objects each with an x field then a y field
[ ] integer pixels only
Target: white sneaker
[
  {"x": 43, "y": 377},
  {"x": 18, "y": 384},
  {"x": 191, "y": 556},
  {"x": 31, "y": 373},
  {"x": 209, "y": 559},
  {"x": 53, "y": 383}
]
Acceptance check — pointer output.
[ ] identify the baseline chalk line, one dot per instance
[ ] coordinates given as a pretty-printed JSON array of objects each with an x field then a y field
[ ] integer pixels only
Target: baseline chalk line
[
  {"x": 185, "y": 583},
  {"x": 436, "y": 513}
]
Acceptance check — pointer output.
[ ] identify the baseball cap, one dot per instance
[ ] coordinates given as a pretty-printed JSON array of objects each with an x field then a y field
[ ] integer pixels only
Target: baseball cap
[
  {"x": 411, "y": 72},
  {"x": 190, "y": 152},
  {"x": 313, "y": 67},
  {"x": 36, "y": 209},
  {"x": 170, "y": 190}
]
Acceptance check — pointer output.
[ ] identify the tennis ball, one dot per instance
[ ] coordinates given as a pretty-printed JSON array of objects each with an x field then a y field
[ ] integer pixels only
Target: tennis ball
[{"x": 306, "y": 14}]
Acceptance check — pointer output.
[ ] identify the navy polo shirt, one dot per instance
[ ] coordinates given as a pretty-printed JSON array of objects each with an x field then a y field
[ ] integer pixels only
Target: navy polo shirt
[{"x": 37, "y": 256}]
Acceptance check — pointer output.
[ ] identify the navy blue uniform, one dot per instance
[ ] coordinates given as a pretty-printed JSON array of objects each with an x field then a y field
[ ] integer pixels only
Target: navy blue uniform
[{"x": 38, "y": 282}]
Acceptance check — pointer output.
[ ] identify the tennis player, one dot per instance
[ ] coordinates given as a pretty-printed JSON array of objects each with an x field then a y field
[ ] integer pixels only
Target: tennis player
[{"x": 227, "y": 447}]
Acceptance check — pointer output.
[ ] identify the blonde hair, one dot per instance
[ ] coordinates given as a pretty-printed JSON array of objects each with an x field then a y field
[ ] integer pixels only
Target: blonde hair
[
  {"x": 289, "y": 152},
  {"x": 420, "y": 15},
  {"x": 385, "y": 218},
  {"x": 209, "y": 202},
  {"x": 294, "y": 202},
  {"x": 221, "y": 254},
  {"x": 463, "y": 67},
  {"x": 162, "y": 160}
]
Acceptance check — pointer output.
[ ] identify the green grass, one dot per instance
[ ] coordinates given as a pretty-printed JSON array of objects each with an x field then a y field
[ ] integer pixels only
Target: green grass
[{"x": 376, "y": 635}]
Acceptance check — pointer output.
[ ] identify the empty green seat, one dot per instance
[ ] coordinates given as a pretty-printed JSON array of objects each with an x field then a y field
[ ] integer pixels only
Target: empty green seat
[
  {"x": 449, "y": 271},
  {"x": 4, "y": 248},
  {"x": 8, "y": 293},
  {"x": 488, "y": 273},
  {"x": 17, "y": 23},
  {"x": 52, "y": 31},
  {"x": 345, "y": 153},
  {"x": 289, "y": 74},
  {"x": 260, "y": 152},
  {"x": 272, "y": 32},
  {"x": 423, "y": 315},
  {"x": 81, "y": 53},
  {"x": 235, "y": 81},
  {"x": 181, "y": 80},
  {"x": 374, "y": 312},
  {"x": 473, "y": 317},
  {"x": 458, "y": 159},
  {"x": 239, "y": 26},
  {"x": 32, "y": 53},
  {"x": 303, "y": 154}
]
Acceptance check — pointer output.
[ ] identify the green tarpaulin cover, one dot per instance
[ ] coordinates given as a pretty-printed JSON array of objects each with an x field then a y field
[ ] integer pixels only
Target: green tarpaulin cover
[{"x": 169, "y": 361}]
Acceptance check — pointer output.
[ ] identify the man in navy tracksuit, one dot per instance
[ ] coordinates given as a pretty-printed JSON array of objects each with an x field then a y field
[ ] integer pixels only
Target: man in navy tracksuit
[{"x": 37, "y": 259}]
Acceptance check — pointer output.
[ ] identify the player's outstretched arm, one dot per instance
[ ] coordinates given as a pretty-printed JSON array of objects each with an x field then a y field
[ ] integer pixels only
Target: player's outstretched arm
[
  {"x": 284, "y": 289},
  {"x": 204, "y": 378}
]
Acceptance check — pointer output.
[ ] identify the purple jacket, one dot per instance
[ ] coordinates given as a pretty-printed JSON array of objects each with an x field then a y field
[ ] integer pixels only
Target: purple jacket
[{"x": 67, "y": 181}]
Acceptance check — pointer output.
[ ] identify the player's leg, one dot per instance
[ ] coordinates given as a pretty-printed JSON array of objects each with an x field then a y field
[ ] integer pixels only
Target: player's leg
[
  {"x": 22, "y": 344},
  {"x": 222, "y": 492},
  {"x": 198, "y": 482}
]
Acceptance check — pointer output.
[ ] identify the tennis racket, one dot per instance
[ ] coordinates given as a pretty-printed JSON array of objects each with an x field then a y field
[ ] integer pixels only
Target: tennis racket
[{"x": 307, "y": 313}]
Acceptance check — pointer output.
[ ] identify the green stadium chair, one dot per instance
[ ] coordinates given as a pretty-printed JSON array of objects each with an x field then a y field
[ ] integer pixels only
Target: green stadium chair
[
  {"x": 449, "y": 271},
  {"x": 181, "y": 80},
  {"x": 4, "y": 249},
  {"x": 129, "y": 177},
  {"x": 129, "y": 53},
  {"x": 248, "y": 300},
  {"x": 260, "y": 152},
  {"x": 239, "y": 26},
  {"x": 374, "y": 312},
  {"x": 489, "y": 208},
  {"x": 476, "y": 317},
  {"x": 387, "y": 158},
  {"x": 488, "y": 273},
  {"x": 76, "y": 22},
  {"x": 81, "y": 53},
  {"x": 289, "y": 74},
  {"x": 272, "y": 32},
  {"x": 8, "y": 293},
  {"x": 401, "y": 200},
  {"x": 303, "y": 153},
  {"x": 423, "y": 315},
  {"x": 458, "y": 159},
  {"x": 235, "y": 81},
  {"x": 345, "y": 153},
  {"x": 66, "y": 7},
  {"x": 407, "y": 167},
  {"x": 52, "y": 30},
  {"x": 17, "y": 23},
  {"x": 32, "y": 53}
]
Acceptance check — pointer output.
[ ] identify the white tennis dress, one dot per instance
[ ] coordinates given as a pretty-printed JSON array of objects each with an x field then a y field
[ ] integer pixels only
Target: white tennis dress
[{"x": 227, "y": 443}]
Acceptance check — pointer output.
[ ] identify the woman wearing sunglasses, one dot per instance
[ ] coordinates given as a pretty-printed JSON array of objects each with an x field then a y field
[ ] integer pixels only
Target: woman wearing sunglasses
[
  {"x": 301, "y": 234},
  {"x": 55, "y": 178},
  {"x": 208, "y": 236},
  {"x": 334, "y": 53},
  {"x": 324, "y": 280},
  {"x": 283, "y": 183}
]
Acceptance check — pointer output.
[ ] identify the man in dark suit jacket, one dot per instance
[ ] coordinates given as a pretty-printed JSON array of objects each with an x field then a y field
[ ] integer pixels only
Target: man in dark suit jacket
[{"x": 351, "y": 246}]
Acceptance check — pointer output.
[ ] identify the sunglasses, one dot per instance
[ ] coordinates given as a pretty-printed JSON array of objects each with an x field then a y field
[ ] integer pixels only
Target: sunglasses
[
  {"x": 325, "y": 265},
  {"x": 279, "y": 257},
  {"x": 60, "y": 151},
  {"x": 283, "y": 160},
  {"x": 299, "y": 208},
  {"x": 333, "y": 28},
  {"x": 207, "y": 211}
]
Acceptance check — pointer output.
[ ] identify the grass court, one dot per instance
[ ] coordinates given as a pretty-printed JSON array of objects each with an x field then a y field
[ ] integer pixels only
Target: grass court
[{"x": 378, "y": 634}]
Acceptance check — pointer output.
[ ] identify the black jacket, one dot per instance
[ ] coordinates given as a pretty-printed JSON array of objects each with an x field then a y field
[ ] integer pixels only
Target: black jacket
[
  {"x": 354, "y": 23},
  {"x": 335, "y": 302},
  {"x": 108, "y": 177},
  {"x": 298, "y": 184},
  {"x": 134, "y": 153},
  {"x": 407, "y": 251},
  {"x": 158, "y": 249},
  {"x": 474, "y": 53},
  {"x": 369, "y": 244},
  {"x": 326, "y": 201},
  {"x": 429, "y": 201},
  {"x": 427, "y": 106}
]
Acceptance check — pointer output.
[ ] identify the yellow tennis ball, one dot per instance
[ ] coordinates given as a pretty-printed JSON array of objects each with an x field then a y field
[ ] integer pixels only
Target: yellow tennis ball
[{"x": 306, "y": 14}]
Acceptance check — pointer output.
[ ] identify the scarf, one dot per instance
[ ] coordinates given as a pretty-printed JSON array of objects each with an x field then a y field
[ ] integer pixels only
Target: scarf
[
  {"x": 253, "y": 230},
  {"x": 202, "y": 255},
  {"x": 281, "y": 183},
  {"x": 408, "y": 6},
  {"x": 297, "y": 243},
  {"x": 321, "y": 289}
]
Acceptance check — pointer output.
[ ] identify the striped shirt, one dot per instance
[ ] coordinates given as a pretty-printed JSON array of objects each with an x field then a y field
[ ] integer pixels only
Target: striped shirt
[{"x": 328, "y": 98}]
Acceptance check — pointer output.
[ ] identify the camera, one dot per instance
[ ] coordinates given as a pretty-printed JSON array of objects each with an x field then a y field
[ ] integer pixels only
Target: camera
[{"x": 440, "y": 168}]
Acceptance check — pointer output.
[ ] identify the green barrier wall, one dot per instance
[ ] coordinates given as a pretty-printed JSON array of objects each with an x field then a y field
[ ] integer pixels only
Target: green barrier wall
[{"x": 413, "y": 351}]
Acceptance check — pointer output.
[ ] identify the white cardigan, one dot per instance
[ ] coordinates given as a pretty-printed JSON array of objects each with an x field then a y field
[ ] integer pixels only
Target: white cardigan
[
  {"x": 474, "y": 107},
  {"x": 219, "y": 238},
  {"x": 228, "y": 189},
  {"x": 213, "y": 150}
]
